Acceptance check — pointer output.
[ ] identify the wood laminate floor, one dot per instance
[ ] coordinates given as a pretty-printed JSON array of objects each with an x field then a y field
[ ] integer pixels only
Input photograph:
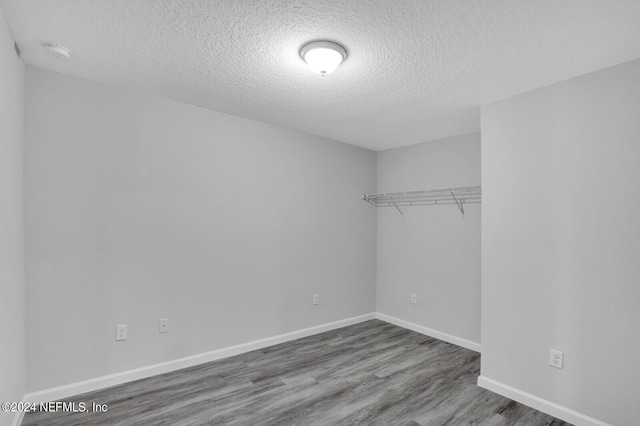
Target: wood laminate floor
[{"x": 372, "y": 373}]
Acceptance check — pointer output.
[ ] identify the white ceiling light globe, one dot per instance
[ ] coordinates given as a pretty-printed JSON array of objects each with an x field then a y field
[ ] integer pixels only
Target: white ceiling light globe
[{"x": 323, "y": 57}]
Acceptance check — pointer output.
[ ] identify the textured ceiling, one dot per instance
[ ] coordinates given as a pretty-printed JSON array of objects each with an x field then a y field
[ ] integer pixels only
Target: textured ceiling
[{"x": 417, "y": 70}]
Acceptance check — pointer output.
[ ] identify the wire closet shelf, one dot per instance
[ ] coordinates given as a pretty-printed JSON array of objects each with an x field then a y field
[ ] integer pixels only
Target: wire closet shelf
[{"x": 456, "y": 195}]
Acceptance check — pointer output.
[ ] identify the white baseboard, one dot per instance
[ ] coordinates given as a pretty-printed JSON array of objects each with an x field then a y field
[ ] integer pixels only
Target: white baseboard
[
  {"x": 430, "y": 332},
  {"x": 540, "y": 404},
  {"x": 97, "y": 383}
]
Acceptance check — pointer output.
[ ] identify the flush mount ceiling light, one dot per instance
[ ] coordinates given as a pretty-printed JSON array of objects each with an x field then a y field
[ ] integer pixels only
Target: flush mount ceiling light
[
  {"x": 57, "y": 50},
  {"x": 323, "y": 56}
]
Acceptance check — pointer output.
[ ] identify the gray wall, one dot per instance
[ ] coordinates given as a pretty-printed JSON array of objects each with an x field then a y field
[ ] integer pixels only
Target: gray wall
[
  {"x": 141, "y": 208},
  {"x": 561, "y": 243},
  {"x": 432, "y": 251},
  {"x": 12, "y": 304}
]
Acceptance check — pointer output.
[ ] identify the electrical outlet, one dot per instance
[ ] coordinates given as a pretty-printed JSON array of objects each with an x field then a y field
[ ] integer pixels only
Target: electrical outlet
[
  {"x": 414, "y": 298},
  {"x": 556, "y": 358},
  {"x": 121, "y": 332},
  {"x": 316, "y": 299},
  {"x": 164, "y": 326}
]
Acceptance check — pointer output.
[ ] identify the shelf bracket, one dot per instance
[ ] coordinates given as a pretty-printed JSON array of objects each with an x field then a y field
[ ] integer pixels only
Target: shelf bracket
[
  {"x": 396, "y": 206},
  {"x": 459, "y": 203}
]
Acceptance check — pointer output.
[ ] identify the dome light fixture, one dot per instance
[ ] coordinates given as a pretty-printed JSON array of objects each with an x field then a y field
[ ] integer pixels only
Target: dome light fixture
[
  {"x": 323, "y": 56},
  {"x": 57, "y": 50}
]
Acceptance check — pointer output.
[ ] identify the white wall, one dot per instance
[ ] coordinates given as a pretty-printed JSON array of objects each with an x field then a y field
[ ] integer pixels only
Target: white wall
[
  {"x": 12, "y": 304},
  {"x": 141, "y": 208},
  {"x": 561, "y": 243},
  {"x": 432, "y": 251}
]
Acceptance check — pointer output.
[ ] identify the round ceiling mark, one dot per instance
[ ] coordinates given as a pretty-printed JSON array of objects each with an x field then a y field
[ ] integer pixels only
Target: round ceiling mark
[{"x": 57, "y": 50}]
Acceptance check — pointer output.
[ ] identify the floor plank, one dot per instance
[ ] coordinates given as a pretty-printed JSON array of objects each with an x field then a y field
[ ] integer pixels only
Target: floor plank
[{"x": 372, "y": 373}]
